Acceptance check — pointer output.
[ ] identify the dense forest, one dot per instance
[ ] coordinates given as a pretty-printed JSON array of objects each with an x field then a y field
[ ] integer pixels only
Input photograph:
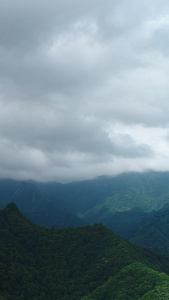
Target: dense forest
[{"x": 88, "y": 262}]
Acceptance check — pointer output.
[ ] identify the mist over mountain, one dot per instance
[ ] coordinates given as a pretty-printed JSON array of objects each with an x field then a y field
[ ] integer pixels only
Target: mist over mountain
[
  {"x": 148, "y": 191},
  {"x": 37, "y": 207},
  {"x": 132, "y": 205}
]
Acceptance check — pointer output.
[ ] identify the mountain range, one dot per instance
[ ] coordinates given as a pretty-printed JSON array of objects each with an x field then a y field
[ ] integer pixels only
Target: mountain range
[
  {"x": 133, "y": 205},
  {"x": 83, "y": 263},
  {"x": 37, "y": 207}
]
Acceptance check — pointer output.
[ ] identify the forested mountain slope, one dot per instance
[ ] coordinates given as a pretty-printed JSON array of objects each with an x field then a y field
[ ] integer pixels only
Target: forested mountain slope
[
  {"x": 148, "y": 191},
  {"x": 153, "y": 230},
  {"x": 135, "y": 281},
  {"x": 145, "y": 229},
  {"x": 63, "y": 264}
]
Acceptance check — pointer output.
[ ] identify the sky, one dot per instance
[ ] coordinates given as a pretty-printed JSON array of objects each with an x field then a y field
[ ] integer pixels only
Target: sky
[{"x": 84, "y": 88}]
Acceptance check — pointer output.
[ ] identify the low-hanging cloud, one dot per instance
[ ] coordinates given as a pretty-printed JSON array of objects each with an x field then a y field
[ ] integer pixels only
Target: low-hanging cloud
[{"x": 83, "y": 88}]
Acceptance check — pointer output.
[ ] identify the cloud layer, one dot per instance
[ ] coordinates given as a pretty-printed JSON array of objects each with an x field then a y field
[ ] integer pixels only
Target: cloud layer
[{"x": 83, "y": 88}]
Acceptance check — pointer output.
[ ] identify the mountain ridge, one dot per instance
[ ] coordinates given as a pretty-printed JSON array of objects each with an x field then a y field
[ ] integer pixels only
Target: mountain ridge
[
  {"x": 68, "y": 263},
  {"x": 40, "y": 209}
]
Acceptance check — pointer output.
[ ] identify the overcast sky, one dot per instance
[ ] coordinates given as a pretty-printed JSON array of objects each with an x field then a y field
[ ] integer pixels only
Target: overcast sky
[{"x": 84, "y": 88}]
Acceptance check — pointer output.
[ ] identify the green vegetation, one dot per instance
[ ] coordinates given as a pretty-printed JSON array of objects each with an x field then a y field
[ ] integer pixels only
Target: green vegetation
[
  {"x": 147, "y": 191},
  {"x": 145, "y": 229},
  {"x": 70, "y": 263},
  {"x": 135, "y": 281},
  {"x": 153, "y": 231}
]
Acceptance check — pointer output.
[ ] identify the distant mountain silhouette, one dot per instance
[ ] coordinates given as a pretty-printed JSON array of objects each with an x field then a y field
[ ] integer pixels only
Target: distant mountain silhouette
[{"x": 40, "y": 209}]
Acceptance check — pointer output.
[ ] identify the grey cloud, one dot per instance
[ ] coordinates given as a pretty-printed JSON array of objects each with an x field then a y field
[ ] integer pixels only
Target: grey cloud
[
  {"x": 125, "y": 146},
  {"x": 61, "y": 132},
  {"x": 70, "y": 72},
  {"x": 160, "y": 41},
  {"x": 30, "y": 32}
]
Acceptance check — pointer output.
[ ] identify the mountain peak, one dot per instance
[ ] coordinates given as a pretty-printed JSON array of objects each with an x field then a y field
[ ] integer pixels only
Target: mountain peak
[
  {"x": 10, "y": 213},
  {"x": 11, "y": 207},
  {"x": 26, "y": 190},
  {"x": 27, "y": 186}
]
